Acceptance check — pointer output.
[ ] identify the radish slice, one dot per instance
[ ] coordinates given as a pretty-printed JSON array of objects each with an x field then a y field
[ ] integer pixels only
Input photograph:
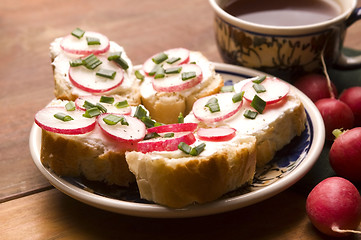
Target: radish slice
[
  {"x": 181, "y": 53},
  {"x": 227, "y": 108},
  {"x": 133, "y": 132},
  {"x": 176, "y": 127},
  {"x": 166, "y": 144},
  {"x": 276, "y": 90},
  {"x": 111, "y": 108},
  {"x": 88, "y": 81},
  {"x": 45, "y": 119},
  {"x": 73, "y": 45},
  {"x": 174, "y": 82},
  {"x": 216, "y": 134}
]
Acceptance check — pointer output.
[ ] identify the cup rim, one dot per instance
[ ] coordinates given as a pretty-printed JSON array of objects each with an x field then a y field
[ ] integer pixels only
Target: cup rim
[{"x": 273, "y": 29}]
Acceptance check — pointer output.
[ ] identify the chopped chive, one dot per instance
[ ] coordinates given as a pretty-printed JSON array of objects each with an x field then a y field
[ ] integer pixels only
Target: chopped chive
[
  {"x": 259, "y": 88},
  {"x": 168, "y": 135},
  {"x": 154, "y": 70},
  {"x": 63, "y": 117},
  {"x": 250, "y": 114},
  {"x": 92, "y": 112},
  {"x": 197, "y": 149},
  {"x": 101, "y": 107},
  {"x": 151, "y": 135},
  {"x": 148, "y": 122},
  {"x": 124, "y": 121},
  {"x": 213, "y": 105},
  {"x": 161, "y": 57},
  {"x": 122, "y": 104},
  {"x": 106, "y": 73},
  {"x": 140, "y": 112},
  {"x": 173, "y": 60},
  {"x": 70, "y": 106},
  {"x": 160, "y": 73},
  {"x": 78, "y": 33},
  {"x": 106, "y": 99},
  {"x": 76, "y": 63},
  {"x": 180, "y": 118},
  {"x": 93, "y": 41},
  {"x": 88, "y": 105},
  {"x": 258, "y": 103},
  {"x": 112, "y": 119},
  {"x": 114, "y": 55},
  {"x": 184, "y": 147},
  {"x": 122, "y": 63},
  {"x": 138, "y": 75},
  {"x": 229, "y": 88},
  {"x": 259, "y": 79},
  {"x": 173, "y": 70},
  {"x": 91, "y": 62},
  {"x": 188, "y": 75},
  {"x": 238, "y": 97}
]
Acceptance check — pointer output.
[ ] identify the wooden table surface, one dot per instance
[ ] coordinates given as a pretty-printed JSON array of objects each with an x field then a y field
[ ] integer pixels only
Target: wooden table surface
[{"x": 30, "y": 208}]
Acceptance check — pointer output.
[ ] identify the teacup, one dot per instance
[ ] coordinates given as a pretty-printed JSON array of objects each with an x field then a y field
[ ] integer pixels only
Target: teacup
[{"x": 281, "y": 50}]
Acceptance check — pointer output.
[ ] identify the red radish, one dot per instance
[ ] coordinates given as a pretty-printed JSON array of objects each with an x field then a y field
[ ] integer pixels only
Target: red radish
[
  {"x": 276, "y": 90},
  {"x": 352, "y": 97},
  {"x": 334, "y": 207},
  {"x": 335, "y": 114},
  {"x": 73, "y": 45},
  {"x": 315, "y": 86},
  {"x": 111, "y": 108},
  {"x": 87, "y": 80},
  {"x": 181, "y": 53},
  {"x": 176, "y": 127},
  {"x": 166, "y": 144},
  {"x": 216, "y": 134},
  {"x": 175, "y": 83},
  {"x": 46, "y": 120},
  {"x": 227, "y": 108},
  {"x": 133, "y": 132},
  {"x": 345, "y": 154}
]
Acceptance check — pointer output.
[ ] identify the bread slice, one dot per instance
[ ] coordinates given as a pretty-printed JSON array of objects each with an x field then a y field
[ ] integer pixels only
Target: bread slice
[
  {"x": 65, "y": 90},
  {"x": 165, "y": 107},
  {"x": 175, "y": 179}
]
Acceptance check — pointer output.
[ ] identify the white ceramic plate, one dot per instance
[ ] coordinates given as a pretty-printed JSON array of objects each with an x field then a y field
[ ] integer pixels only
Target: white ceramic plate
[{"x": 289, "y": 166}]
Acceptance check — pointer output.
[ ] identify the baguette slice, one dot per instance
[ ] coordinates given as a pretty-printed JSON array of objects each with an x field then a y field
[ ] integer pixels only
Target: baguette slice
[{"x": 175, "y": 179}]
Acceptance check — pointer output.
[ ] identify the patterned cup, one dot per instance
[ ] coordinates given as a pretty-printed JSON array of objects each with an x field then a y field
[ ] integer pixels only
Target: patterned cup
[{"x": 285, "y": 51}]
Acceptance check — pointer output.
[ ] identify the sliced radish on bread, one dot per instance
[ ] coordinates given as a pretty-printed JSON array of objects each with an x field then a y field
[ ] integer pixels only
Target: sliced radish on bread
[
  {"x": 179, "y": 81},
  {"x": 87, "y": 79},
  {"x": 176, "y": 127},
  {"x": 130, "y": 129},
  {"x": 175, "y": 56},
  {"x": 227, "y": 108},
  {"x": 166, "y": 144},
  {"x": 273, "y": 91},
  {"x": 79, "y": 46},
  {"x": 216, "y": 134},
  {"x": 73, "y": 122},
  {"x": 114, "y": 106}
]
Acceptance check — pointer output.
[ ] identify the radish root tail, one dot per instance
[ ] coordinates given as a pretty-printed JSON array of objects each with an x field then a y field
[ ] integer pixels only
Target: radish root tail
[{"x": 337, "y": 229}]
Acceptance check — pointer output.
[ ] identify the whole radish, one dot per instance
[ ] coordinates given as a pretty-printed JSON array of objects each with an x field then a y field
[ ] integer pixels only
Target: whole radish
[
  {"x": 335, "y": 114},
  {"x": 352, "y": 97},
  {"x": 345, "y": 154},
  {"x": 334, "y": 207}
]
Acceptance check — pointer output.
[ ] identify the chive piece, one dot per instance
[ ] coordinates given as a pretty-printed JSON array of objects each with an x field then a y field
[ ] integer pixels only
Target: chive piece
[
  {"x": 91, "y": 62},
  {"x": 148, "y": 122},
  {"x": 229, "y": 88},
  {"x": 138, "y": 75},
  {"x": 92, "y": 112},
  {"x": 78, "y": 33},
  {"x": 238, "y": 97},
  {"x": 101, "y": 107},
  {"x": 258, "y": 103},
  {"x": 154, "y": 70},
  {"x": 70, "y": 106},
  {"x": 106, "y": 99},
  {"x": 122, "y": 104},
  {"x": 250, "y": 114},
  {"x": 259, "y": 88},
  {"x": 159, "y": 73},
  {"x": 213, "y": 105},
  {"x": 259, "y": 79},
  {"x": 173, "y": 70},
  {"x": 106, "y": 73},
  {"x": 184, "y": 147},
  {"x": 112, "y": 119},
  {"x": 63, "y": 117},
  {"x": 76, "y": 63},
  {"x": 93, "y": 41},
  {"x": 114, "y": 55},
  {"x": 140, "y": 112},
  {"x": 122, "y": 63},
  {"x": 124, "y": 121},
  {"x": 180, "y": 118},
  {"x": 197, "y": 149},
  {"x": 173, "y": 60},
  {"x": 151, "y": 135},
  {"x": 88, "y": 105},
  {"x": 161, "y": 57},
  {"x": 168, "y": 135},
  {"x": 188, "y": 75}
]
